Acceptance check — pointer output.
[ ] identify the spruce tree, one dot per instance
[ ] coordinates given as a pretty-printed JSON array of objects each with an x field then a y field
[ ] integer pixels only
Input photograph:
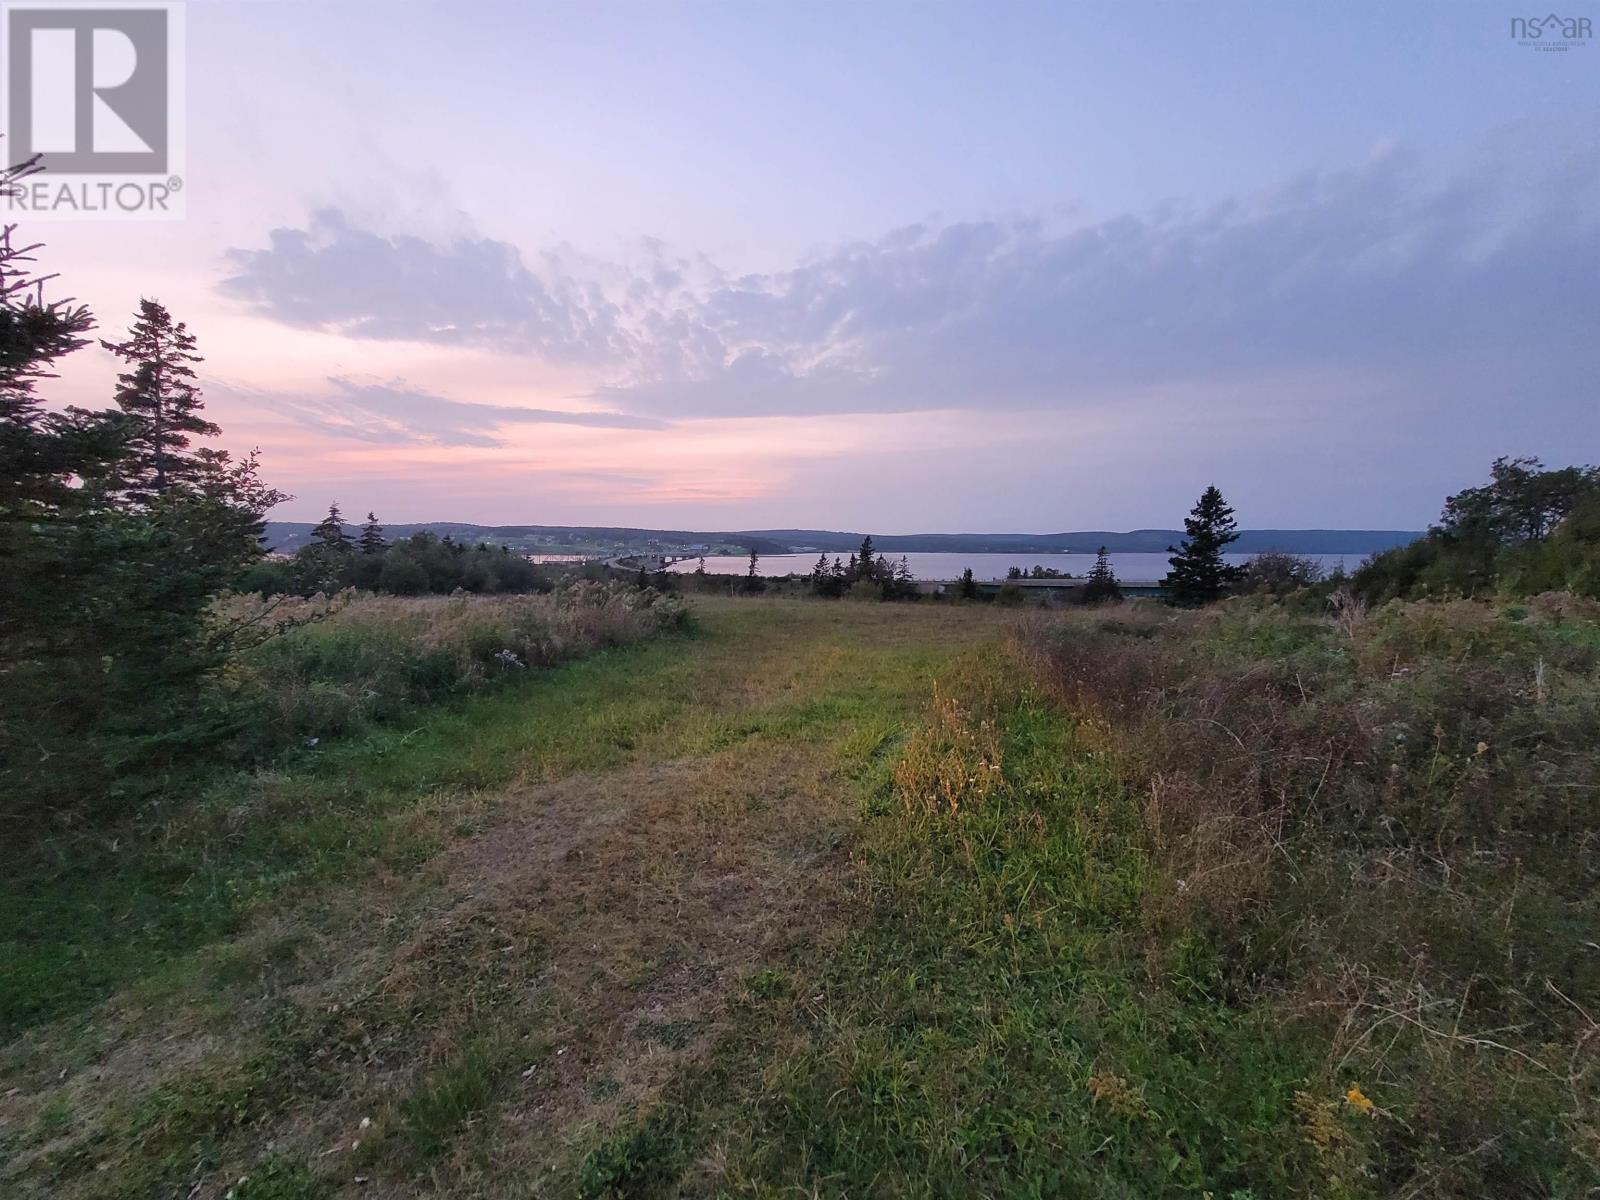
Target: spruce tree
[
  {"x": 329, "y": 532},
  {"x": 372, "y": 540},
  {"x": 56, "y": 580},
  {"x": 904, "y": 581},
  {"x": 325, "y": 565},
  {"x": 867, "y": 564},
  {"x": 105, "y": 625},
  {"x": 41, "y": 452},
  {"x": 969, "y": 585},
  {"x": 1102, "y": 587},
  {"x": 1199, "y": 574},
  {"x": 162, "y": 405}
]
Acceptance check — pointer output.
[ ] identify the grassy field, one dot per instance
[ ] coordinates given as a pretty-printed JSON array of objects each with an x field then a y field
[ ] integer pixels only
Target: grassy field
[
  {"x": 836, "y": 899},
  {"x": 1243, "y": 903},
  {"x": 102, "y": 901},
  {"x": 475, "y": 942}
]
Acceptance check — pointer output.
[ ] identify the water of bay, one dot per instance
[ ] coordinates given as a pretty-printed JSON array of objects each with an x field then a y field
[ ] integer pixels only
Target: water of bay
[{"x": 1133, "y": 568}]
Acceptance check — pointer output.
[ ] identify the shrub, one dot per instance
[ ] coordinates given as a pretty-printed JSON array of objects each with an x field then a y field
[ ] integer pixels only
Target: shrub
[
  {"x": 1275, "y": 573},
  {"x": 402, "y": 576}
]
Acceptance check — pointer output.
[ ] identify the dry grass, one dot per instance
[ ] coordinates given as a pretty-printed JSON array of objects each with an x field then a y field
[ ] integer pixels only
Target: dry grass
[
  {"x": 331, "y": 666},
  {"x": 1385, "y": 824},
  {"x": 1250, "y": 902}
]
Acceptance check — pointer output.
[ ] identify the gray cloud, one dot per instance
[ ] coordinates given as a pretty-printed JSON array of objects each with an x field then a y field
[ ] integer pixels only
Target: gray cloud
[
  {"x": 473, "y": 291},
  {"x": 1478, "y": 283},
  {"x": 1368, "y": 270},
  {"x": 395, "y": 414}
]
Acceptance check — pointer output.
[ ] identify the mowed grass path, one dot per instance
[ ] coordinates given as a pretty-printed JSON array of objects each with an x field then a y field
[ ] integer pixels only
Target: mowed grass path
[{"x": 462, "y": 956}]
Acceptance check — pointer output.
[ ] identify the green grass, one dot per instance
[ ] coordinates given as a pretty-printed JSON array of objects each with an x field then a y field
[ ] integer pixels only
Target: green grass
[
  {"x": 201, "y": 919},
  {"x": 83, "y": 915},
  {"x": 277, "y": 1180},
  {"x": 1052, "y": 985},
  {"x": 991, "y": 1025},
  {"x": 850, "y": 900},
  {"x": 83, "y": 919},
  {"x": 450, "y": 1095}
]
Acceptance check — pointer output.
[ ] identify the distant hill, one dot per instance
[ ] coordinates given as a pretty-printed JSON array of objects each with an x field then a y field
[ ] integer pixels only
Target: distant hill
[{"x": 288, "y": 536}]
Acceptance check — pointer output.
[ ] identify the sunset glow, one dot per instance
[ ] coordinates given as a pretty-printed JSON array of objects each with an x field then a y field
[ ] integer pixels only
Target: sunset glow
[{"x": 682, "y": 330}]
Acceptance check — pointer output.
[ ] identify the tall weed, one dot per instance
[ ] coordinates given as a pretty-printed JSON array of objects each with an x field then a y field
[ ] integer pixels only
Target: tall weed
[
  {"x": 1385, "y": 828},
  {"x": 367, "y": 658}
]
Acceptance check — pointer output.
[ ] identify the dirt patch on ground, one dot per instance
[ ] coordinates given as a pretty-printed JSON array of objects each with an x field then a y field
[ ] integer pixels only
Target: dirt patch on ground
[{"x": 659, "y": 899}]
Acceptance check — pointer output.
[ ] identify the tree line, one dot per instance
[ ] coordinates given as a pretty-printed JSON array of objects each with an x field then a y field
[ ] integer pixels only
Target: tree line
[
  {"x": 1530, "y": 529},
  {"x": 867, "y": 575},
  {"x": 421, "y": 564}
]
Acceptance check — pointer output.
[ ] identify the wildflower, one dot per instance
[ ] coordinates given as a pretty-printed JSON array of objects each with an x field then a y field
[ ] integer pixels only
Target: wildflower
[
  {"x": 1319, "y": 1123},
  {"x": 1122, "y": 1097},
  {"x": 1483, "y": 747},
  {"x": 1357, "y": 1099}
]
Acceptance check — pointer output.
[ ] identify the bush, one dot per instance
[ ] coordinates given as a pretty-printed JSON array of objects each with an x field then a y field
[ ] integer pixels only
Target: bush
[
  {"x": 402, "y": 576},
  {"x": 1274, "y": 573}
]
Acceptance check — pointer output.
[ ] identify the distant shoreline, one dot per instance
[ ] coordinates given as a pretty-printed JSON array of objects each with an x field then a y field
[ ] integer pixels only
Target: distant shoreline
[{"x": 609, "y": 541}]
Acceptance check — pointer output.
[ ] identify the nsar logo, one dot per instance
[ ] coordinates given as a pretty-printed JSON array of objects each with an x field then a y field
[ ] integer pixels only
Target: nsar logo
[{"x": 1551, "y": 32}]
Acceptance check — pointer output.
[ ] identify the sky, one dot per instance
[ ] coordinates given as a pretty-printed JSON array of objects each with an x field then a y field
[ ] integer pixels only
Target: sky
[{"x": 871, "y": 265}]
